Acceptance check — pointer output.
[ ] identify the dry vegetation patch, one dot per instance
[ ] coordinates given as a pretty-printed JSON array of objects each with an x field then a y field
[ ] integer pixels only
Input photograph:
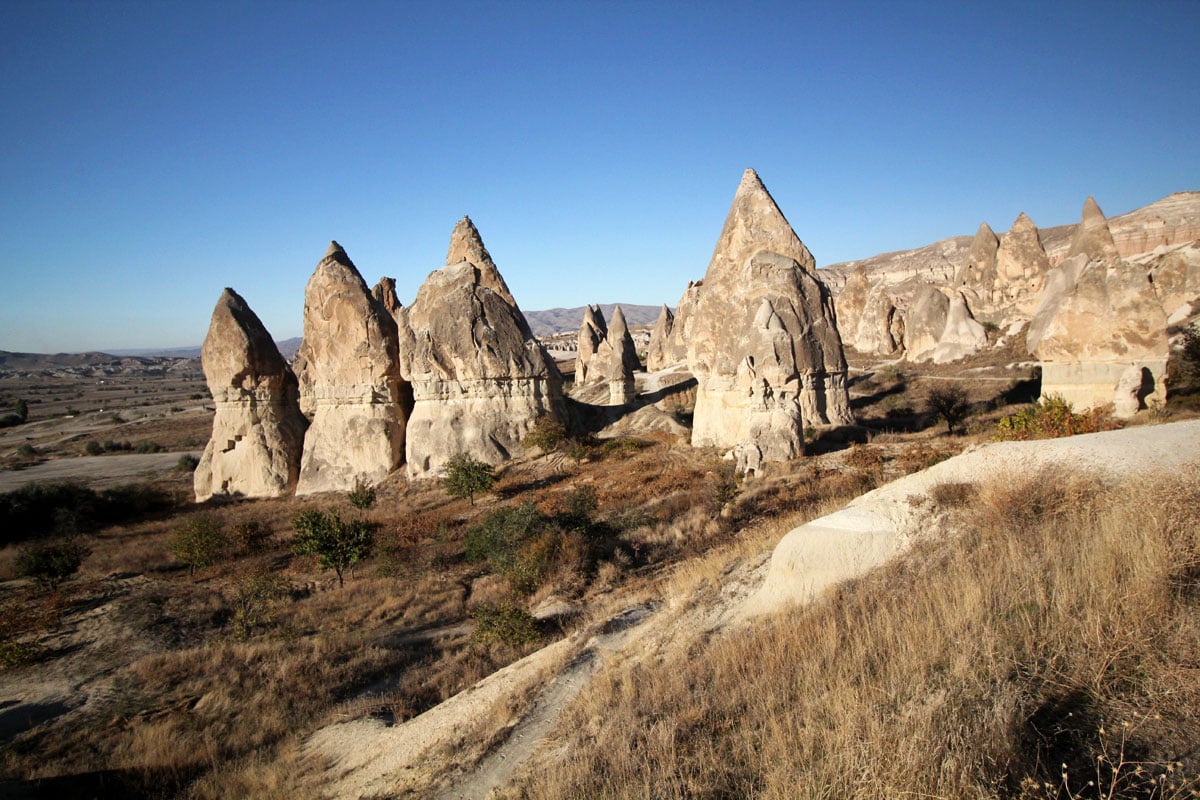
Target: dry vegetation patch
[{"x": 1025, "y": 657}]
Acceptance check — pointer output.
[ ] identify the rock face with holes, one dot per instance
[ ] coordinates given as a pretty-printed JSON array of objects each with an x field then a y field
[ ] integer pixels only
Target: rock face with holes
[
  {"x": 658, "y": 351},
  {"x": 480, "y": 380},
  {"x": 764, "y": 344},
  {"x": 1100, "y": 330},
  {"x": 591, "y": 333},
  {"x": 616, "y": 360},
  {"x": 258, "y": 430},
  {"x": 351, "y": 382}
]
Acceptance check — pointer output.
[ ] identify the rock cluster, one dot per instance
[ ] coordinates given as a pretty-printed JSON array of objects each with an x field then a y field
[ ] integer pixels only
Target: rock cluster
[
  {"x": 258, "y": 430},
  {"x": 1100, "y": 330},
  {"x": 763, "y": 344},
  {"x": 480, "y": 379},
  {"x": 591, "y": 333},
  {"x": 616, "y": 360}
]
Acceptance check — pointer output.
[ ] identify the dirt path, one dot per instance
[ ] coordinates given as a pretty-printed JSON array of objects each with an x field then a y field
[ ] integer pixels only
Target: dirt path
[
  {"x": 496, "y": 769},
  {"x": 97, "y": 471}
]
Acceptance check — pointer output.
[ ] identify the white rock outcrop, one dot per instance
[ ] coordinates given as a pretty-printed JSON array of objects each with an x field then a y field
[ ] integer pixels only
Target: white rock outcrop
[
  {"x": 1100, "y": 329},
  {"x": 616, "y": 360},
  {"x": 258, "y": 430},
  {"x": 658, "y": 354},
  {"x": 350, "y": 382},
  {"x": 480, "y": 379}
]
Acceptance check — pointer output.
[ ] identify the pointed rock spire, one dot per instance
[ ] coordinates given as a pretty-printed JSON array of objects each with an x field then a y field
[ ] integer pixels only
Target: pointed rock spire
[
  {"x": 1021, "y": 262},
  {"x": 1093, "y": 237},
  {"x": 616, "y": 358},
  {"x": 660, "y": 340},
  {"x": 591, "y": 333},
  {"x": 385, "y": 293},
  {"x": 466, "y": 245},
  {"x": 258, "y": 430},
  {"x": 755, "y": 223}
]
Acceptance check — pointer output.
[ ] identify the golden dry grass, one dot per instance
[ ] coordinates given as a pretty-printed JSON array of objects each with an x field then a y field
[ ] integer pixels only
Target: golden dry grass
[{"x": 976, "y": 667}]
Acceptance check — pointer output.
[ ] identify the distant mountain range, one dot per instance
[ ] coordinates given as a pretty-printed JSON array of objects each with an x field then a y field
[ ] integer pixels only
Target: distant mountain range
[{"x": 542, "y": 323}]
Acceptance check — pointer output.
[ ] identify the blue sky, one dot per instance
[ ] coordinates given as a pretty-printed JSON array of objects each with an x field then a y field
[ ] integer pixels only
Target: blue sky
[{"x": 153, "y": 153}]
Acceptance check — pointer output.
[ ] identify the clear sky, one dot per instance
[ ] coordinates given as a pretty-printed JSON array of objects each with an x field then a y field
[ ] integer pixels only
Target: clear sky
[{"x": 153, "y": 153}]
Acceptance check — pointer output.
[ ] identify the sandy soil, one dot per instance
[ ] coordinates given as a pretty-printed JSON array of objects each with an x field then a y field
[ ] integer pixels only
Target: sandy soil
[{"x": 96, "y": 471}]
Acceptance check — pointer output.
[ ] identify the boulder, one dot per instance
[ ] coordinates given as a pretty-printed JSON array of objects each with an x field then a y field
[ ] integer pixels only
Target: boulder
[
  {"x": 657, "y": 353},
  {"x": 480, "y": 379},
  {"x": 961, "y": 336},
  {"x": 351, "y": 381},
  {"x": 258, "y": 430},
  {"x": 764, "y": 344},
  {"x": 924, "y": 322},
  {"x": 1099, "y": 328}
]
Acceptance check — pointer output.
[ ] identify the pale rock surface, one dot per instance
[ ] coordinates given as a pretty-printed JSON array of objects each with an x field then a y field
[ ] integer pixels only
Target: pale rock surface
[
  {"x": 591, "y": 333},
  {"x": 962, "y": 335},
  {"x": 978, "y": 271},
  {"x": 1021, "y": 265},
  {"x": 258, "y": 430},
  {"x": 351, "y": 381},
  {"x": 677, "y": 347},
  {"x": 480, "y": 379},
  {"x": 616, "y": 361},
  {"x": 885, "y": 522},
  {"x": 924, "y": 322},
  {"x": 660, "y": 338},
  {"x": 1098, "y": 318},
  {"x": 764, "y": 344}
]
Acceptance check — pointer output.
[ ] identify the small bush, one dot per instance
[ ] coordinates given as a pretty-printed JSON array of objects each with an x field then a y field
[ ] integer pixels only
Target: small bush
[
  {"x": 200, "y": 542},
  {"x": 50, "y": 564},
  {"x": 250, "y": 537},
  {"x": 17, "y": 654},
  {"x": 466, "y": 476},
  {"x": 255, "y": 598},
  {"x": 953, "y": 494},
  {"x": 547, "y": 435},
  {"x": 337, "y": 544},
  {"x": 1050, "y": 418},
  {"x": 949, "y": 404},
  {"x": 362, "y": 496},
  {"x": 506, "y": 624},
  {"x": 93, "y": 448},
  {"x": 187, "y": 463},
  {"x": 864, "y": 457},
  {"x": 27, "y": 451}
]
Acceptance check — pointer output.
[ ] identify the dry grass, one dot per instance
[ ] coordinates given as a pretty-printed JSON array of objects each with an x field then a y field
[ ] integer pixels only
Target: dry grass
[{"x": 976, "y": 667}]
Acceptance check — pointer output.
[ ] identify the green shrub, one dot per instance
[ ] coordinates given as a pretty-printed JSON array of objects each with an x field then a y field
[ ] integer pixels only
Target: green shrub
[
  {"x": 362, "y": 496},
  {"x": 27, "y": 451},
  {"x": 93, "y": 448},
  {"x": 38, "y": 509},
  {"x": 1049, "y": 418},
  {"x": 466, "y": 476},
  {"x": 523, "y": 545},
  {"x": 187, "y": 463},
  {"x": 547, "y": 434},
  {"x": 50, "y": 564},
  {"x": 17, "y": 654},
  {"x": 21, "y": 408},
  {"x": 337, "y": 544},
  {"x": 505, "y": 624},
  {"x": 200, "y": 542}
]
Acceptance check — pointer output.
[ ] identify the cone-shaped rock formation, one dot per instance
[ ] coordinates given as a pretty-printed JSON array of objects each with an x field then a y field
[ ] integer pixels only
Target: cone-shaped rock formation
[
  {"x": 764, "y": 345},
  {"x": 657, "y": 352},
  {"x": 258, "y": 430},
  {"x": 591, "y": 333},
  {"x": 480, "y": 379},
  {"x": 351, "y": 381}
]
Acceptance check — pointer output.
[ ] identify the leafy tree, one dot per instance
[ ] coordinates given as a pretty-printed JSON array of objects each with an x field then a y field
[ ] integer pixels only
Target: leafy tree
[
  {"x": 465, "y": 476},
  {"x": 50, "y": 564},
  {"x": 336, "y": 543},
  {"x": 949, "y": 403},
  {"x": 200, "y": 542},
  {"x": 255, "y": 598}
]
